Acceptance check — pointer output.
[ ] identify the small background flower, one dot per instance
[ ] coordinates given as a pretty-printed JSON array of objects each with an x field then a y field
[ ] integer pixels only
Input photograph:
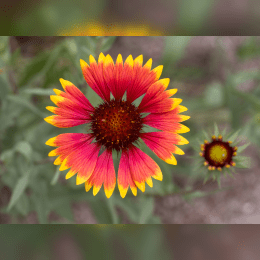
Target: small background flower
[
  {"x": 217, "y": 78},
  {"x": 217, "y": 154}
]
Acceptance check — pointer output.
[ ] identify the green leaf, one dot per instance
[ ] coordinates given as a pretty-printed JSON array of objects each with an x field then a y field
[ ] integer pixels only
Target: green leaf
[
  {"x": 216, "y": 130},
  {"x": 213, "y": 95},
  {"x": 244, "y": 76},
  {"x": 242, "y": 162},
  {"x": 242, "y": 148},
  {"x": 25, "y": 149},
  {"x": 5, "y": 87},
  {"x": 7, "y": 155},
  {"x": 33, "y": 68},
  {"x": 147, "y": 211},
  {"x": 25, "y": 103},
  {"x": 249, "y": 98},
  {"x": 224, "y": 132},
  {"x": 174, "y": 50},
  {"x": 23, "y": 205},
  {"x": 107, "y": 43},
  {"x": 129, "y": 207},
  {"x": 18, "y": 190},
  {"x": 40, "y": 199},
  {"x": 112, "y": 209},
  {"x": 206, "y": 135},
  {"x": 39, "y": 91},
  {"x": 234, "y": 136},
  {"x": 56, "y": 176},
  {"x": 218, "y": 180}
]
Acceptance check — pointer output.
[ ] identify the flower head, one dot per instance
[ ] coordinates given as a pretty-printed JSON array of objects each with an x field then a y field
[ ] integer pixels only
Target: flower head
[
  {"x": 117, "y": 124},
  {"x": 220, "y": 154}
]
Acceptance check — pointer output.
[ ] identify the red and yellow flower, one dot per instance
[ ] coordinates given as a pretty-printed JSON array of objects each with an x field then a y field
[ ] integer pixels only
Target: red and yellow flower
[{"x": 117, "y": 124}]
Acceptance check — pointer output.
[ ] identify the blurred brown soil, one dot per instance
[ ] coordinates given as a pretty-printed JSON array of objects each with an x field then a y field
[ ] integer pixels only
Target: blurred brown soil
[{"x": 240, "y": 203}]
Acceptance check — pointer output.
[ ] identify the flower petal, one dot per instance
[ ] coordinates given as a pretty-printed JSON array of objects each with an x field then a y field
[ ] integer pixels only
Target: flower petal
[
  {"x": 143, "y": 78},
  {"x": 64, "y": 139},
  {"x": 76, "y": 152},
  {"x": 73, "y": 107},
  {"x": 103, "y": 172},
  {"x": 62, "y": 122},
  {"x": 124, "y": 177},
  {"x": 118, "y": 77},
  {"x": 142, "y": 167},
  {"x": 74, "y": 92},
  {"x": 93, "y": 75},
  {"x": 163, "y": 144},
  {"x": 156, "y": 99},
  {"x": 168, "y": 121}
]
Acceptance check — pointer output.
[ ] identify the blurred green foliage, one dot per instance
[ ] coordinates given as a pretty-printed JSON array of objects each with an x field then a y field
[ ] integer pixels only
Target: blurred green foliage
[
  {"x": 85, "y": 242},
  {"x": 36, "y": 184}
]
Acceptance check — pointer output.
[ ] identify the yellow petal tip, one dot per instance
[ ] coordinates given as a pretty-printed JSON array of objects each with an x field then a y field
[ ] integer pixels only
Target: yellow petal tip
[
  {"x": 51, "y": 141},
  {"x": 171, "y": 160},
  {"x": 80, "y": 180}
]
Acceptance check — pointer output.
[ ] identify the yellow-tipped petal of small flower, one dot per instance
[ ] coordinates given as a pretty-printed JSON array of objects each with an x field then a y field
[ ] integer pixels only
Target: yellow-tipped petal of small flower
[
  {"x": 109, "y": 192},
  {"x": 57, "y": 91},
  {"x": 182, "y": 140},
  {"x": 81, "y": 179},
  {"x": 158, "y": 175},
  {"x": 70, "y": 174},
  {"x": 64, "y": 83},
  {"x": 51, "y": 141},
  {"x": 182, "y": 108},
  {"x": 50, "y": 119},
  {"x": 139, "y": 60},
  {"x": 63, "y": 166},
  {"x": 101, "y": 57},
  {"x": 50, "y": 108},
  {"x": 171, "y": 160},
  {"x": 129, "y": 60},
  {"x": 148, "y": 64},
  {"x": 158, "y": 71},
  {"x": 56, "y": 99},
  {"x": 91, "y": 60},
  {"x": 96, "y": 189},
  {"x": 141, "y": 185},
  {"x": 178, "y": 151},
  {"x": 53, "y": 153},
  {"x": 165, "y": 82},
  {"x": 149, "y": 182},
  {"x": 171, "y": 92},
  {"x": 134, "y": 190},
  {"x": 88, "y": 186},
  {"x": 176, "y": 102},
  {"x": 183, "y": 129},
  {"x": 122, "y": 191},
  {"x": 119, "y": 59},
  {"x": 83, "y": 65},
  {"x": 58, "y": 161},
  {"x": 184, "y": 118},
  {"x": 108, "y": 61}
]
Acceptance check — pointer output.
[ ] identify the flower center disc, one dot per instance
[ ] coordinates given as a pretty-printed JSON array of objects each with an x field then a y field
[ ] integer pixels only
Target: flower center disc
[
  {"x": 218, "y": 153},
  {"x": 116, "y": 124}
]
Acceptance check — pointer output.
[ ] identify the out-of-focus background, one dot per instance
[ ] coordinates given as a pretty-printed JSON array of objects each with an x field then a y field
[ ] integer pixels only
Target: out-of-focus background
[
  {"x": 115, "y": 242},
  {"x": 217, "y": 78},
  {"x": 165, "y": 17}
]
